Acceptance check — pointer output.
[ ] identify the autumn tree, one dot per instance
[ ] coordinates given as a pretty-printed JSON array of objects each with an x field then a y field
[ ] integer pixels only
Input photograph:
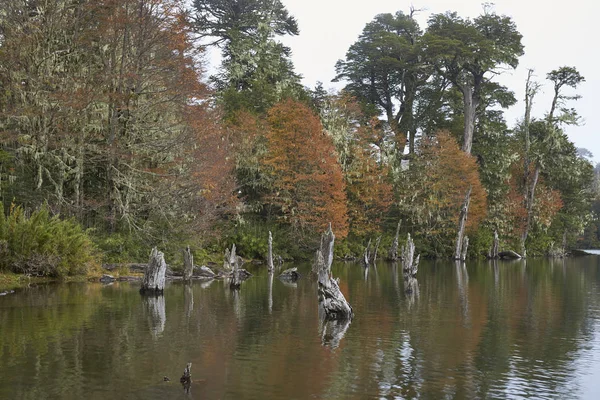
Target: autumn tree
[
  {"x": 435, "y": 190},
  {"x": 307, "y": 182},
  {"x": 360, "y": 147}
]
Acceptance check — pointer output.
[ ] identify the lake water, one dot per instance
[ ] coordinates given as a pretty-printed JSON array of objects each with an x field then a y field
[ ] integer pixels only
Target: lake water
[{"x": 484, "y": 330}]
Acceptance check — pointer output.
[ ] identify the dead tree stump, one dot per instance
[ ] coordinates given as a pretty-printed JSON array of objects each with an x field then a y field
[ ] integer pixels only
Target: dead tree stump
[
  {"x": 154, "y": 275},
  {"x": 186, "y": 378},
  {"x": 410, "y": 266},
  {"x": 188, "y": 264},
  {"x": 331, "y": 299},
  {"x": 493, "y": 254}
]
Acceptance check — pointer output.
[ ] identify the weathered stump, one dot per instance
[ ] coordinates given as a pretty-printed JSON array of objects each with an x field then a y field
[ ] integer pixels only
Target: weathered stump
[
  {"x": 370, "y": 257},
  {"x": 331, "y": 298},
  {"x": 410, "y": 266},
  {"x": 366, "y": 258},
  {"x": 154, "y": 276},
  {"x": 186, "y": 378},
  {"x": 188, "y": 264}
]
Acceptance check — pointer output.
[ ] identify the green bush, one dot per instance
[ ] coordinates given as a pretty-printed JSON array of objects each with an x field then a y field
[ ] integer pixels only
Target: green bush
[{"x": 43, "y": 245}]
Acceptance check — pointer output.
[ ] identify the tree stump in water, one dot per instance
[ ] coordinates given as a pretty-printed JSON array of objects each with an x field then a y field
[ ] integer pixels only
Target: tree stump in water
[
  {"x": 188, "y": 264},
  {"x": 331, "y": 298},
  {"x": 154, "y": 275},
  {"x": 236, "y": 279},
  {"x": 410, "y": 266},
  {"x": 186, "y": 378}
]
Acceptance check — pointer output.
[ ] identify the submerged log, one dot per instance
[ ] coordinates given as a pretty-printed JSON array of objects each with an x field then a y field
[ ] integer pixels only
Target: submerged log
[
  {"x": 393, "y": 253},
  {"x": 290, "y": 275},
  {"x": 106, "y": 278},
  {"x": 270, "y": 265},
  {"x": 462, "y": 222},
  {"x": 509, "y": 255},
  {"x": 331, "y": 299},
  {"x": 154, "y": 276},
  {"x": 204, "y": 272},
  {"x": 188, "y": 264}
]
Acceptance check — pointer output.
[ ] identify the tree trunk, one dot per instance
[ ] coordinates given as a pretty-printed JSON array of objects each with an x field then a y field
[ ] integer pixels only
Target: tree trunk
[
  {"x": 366, "y": 255},
  {"x": 529, "y": 209},
  {"x": 495, "y": 247},
  {"x": 377, "y": 242},
  {"x": 154, "y": 276},
  {"x": 188, "y": 264},
  {"x": 470, "y": 111},
  {"x": 270, "y": 265},
  {"x": 332, "y": 302},
  {"x": 236, "y": 280},
  {"x": 326, "y": 248},
  {"x": 465, "y": 247},
  {"x": 462, "y": 222}
]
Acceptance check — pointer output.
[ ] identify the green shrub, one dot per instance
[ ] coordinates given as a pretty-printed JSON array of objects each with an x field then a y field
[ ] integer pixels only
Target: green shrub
[{"x": 43, "y": 245}]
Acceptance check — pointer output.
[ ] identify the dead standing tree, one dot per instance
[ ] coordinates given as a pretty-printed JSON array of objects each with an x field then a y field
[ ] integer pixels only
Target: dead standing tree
[
  {"x": 270, "y": 265},
  {"x": 460, "y": 251},
  {"x": 393, "y": 253},
  {"x": 188, "y": 264},
  {"x": 332, "y": 303},
  {"x": 154, "y": 275}
]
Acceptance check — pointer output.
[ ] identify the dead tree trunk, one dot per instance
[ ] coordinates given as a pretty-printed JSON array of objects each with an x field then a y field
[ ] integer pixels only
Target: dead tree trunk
[
  {"x": 495, "y": 247},
  {"x": 462, "y": 222},
  {"x": 410, "y": 266},
  {"x": 188, "y": 264},
  {"x": 154, "y": 275},
  {"x": 393, "y": 253},
  {"x": 270, "y": 265},
  {"x": 326, "y": 248},
  {"x": 331, "y": 300},
  {"x": 235, "y": 276},
  {"x": 366, "y": 255},
  {"x": 377, "y": 242},
  {"x": 465, "y": 247}
]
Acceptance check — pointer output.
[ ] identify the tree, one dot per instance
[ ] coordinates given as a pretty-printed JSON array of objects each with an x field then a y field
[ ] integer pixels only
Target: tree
[
  {"x": 385, "y": 71},
  {"x": 256, "y": 71},
  {"x": 308, "y": 186},
  {"x": 435, "y": 190},
  {"x": 469, "y": 53}
]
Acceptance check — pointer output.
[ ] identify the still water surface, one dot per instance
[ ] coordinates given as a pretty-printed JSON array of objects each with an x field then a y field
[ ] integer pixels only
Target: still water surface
[{"x": 484, "y": 330}]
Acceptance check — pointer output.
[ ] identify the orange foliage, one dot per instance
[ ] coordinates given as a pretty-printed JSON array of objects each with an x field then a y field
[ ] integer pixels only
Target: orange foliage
[
  {"x": 448, "y": 173},
  {"x": 307, "y": 182}
]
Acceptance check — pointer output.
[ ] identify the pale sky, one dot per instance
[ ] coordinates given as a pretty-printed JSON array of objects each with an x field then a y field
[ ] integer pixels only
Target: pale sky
[{"x": 554, "y": 33}]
